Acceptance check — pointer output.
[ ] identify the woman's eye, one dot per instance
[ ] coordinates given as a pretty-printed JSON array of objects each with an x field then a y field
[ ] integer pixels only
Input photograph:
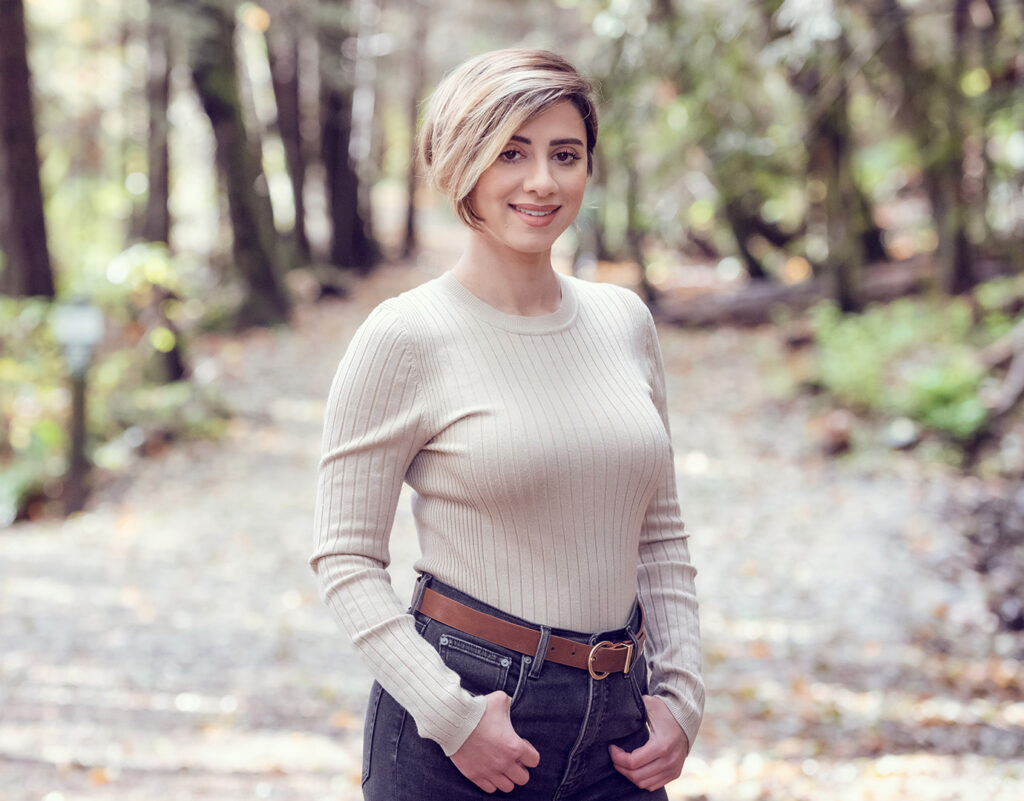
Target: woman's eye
[
  {"x": 566, "y": 157},
  {"x": 510, "y": 155}
]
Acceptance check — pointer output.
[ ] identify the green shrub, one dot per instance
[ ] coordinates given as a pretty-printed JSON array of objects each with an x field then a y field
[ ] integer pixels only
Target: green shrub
[
  {"x": 914, "y": 357},
  {"x": 945, "y": 396}
]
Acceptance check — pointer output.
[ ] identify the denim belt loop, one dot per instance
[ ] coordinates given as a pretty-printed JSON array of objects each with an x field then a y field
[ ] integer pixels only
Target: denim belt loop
[
  {"x": 636, "y": 643},
  {"x": 636, "y": 618},
  {"x": 542, "y": 652}
]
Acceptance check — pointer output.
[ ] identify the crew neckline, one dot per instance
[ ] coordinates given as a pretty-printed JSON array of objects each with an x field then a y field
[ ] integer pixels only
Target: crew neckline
[{"x": 557, "y": 320}]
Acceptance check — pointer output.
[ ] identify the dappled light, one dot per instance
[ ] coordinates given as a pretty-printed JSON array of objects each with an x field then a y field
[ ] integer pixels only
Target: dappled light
[{"x": 822, "y": 204}]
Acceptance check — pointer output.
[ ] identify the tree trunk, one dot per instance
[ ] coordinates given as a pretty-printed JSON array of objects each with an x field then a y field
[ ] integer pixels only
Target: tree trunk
[
  {"x": 635, "y": 233},
  {"x": 924, "y": 93},
  {"x": 25, "y": 270},
  {"x": 156, "y": 225},
  {"x": 351, "y": 245},
  {"x": 832, "y": 161},
  {"x": 156, "y": 222},
  {"x": 871, "y": 241},
  {"x": 843, "y": 213},
  {"x": 945, "y": 180},
  {"x": 212, "y": 56},
  {"x": 742, "y": 229},
  {"x": 846, "y": 252},
  {"x": 599, "y": 190},
  {"x": 417, "y": 76},
  {"x": 1017, "y": 243},
  {"x": 954, "y": 253},
  {"x": 283, "y": 52}
]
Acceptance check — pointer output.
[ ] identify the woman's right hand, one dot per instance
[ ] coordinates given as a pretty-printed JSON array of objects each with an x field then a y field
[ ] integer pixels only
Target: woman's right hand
[{"x": 494, "y": 757}]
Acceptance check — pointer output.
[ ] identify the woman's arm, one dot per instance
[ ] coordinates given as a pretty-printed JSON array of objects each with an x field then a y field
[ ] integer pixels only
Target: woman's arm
[
  {"x": 666, "y": 584},
  {"x": 667, "y": 593},
  {"x": 375, "y": 424}
]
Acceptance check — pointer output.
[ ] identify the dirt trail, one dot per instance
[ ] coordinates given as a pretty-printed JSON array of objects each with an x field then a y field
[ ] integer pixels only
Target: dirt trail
[{"x": 168, "y": 643}]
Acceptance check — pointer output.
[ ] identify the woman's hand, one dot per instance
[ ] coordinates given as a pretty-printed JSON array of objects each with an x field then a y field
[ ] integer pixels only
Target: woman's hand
[
  {"x": 660, "y": 759},
  {"x": 494, "y": 757}
]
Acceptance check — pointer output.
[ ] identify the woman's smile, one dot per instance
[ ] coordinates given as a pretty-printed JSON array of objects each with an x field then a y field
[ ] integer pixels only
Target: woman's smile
[{"x": 537, "y": 216}]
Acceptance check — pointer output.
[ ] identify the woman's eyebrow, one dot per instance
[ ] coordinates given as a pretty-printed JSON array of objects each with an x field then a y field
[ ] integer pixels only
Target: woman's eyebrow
[{"x": 553, "y": 143}]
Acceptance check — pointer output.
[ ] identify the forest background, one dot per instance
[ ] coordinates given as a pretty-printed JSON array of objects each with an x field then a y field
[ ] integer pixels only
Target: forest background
[
  {"x": 204, "y": 165},
  {"x": 846, "y": 178}
]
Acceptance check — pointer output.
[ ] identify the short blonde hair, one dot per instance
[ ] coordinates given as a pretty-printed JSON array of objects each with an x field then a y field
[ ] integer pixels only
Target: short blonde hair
[{"x": 479, "y": 105}]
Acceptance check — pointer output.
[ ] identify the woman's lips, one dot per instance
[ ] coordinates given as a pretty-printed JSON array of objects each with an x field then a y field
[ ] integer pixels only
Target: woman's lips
[{"x": 536, "y": 216}]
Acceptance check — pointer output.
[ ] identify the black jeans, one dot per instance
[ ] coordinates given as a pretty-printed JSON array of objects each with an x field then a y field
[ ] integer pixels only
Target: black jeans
[{"x": 570, "y": 719}]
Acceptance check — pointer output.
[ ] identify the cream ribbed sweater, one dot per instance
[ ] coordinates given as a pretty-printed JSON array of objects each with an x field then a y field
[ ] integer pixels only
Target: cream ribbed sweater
[{"x": 539, "y": 452}]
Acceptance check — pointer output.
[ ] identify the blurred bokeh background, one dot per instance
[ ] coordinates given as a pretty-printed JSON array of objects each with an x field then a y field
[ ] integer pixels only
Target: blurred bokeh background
[{"x": 822, "y": 201}]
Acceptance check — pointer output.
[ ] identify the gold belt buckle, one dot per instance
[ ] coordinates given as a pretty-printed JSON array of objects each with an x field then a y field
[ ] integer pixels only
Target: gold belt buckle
[{"x": 611, "y": 646}]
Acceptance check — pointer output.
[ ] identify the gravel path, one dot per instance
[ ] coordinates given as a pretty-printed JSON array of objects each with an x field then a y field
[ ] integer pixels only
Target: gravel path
[{"x": 168, "y": 643}]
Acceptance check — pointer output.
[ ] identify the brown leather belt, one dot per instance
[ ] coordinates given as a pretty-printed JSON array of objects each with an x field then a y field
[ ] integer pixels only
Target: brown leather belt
[{"x": 599, "y": 660}]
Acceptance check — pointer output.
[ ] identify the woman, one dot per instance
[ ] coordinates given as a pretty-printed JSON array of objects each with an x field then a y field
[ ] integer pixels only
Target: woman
[{"x": 552, "y": 646}]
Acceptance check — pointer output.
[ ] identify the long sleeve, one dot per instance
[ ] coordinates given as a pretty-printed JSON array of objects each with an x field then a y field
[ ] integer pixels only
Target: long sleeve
[
  {"x": 375, "y": 424},
  {"x": 666, "y": 585}
]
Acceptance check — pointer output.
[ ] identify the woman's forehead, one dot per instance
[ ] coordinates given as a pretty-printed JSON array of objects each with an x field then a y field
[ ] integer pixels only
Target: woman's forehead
[{"x": 562, "y": 117}]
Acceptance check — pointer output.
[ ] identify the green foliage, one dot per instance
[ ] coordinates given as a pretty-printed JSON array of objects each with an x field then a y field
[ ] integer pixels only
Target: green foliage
[
  {"x": 123, "y": 397},
  {"x": 883, "y": 167},
  {"x": 146, "y": 264},
  {"x": 33, "y": 403},
  {"x": 913, "y": 357},
  {"x": 945, "y": 396}
]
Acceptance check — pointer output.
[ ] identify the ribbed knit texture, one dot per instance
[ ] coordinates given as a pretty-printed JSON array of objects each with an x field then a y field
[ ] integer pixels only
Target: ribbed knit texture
[{"x": 539, "y": 452}]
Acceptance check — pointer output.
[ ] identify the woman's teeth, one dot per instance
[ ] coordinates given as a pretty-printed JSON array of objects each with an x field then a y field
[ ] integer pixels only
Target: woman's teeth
[{"x": 534, "y": 212}]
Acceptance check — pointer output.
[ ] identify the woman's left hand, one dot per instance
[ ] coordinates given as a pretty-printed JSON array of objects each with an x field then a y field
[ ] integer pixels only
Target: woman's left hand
[{"x": 660, "y": 759}]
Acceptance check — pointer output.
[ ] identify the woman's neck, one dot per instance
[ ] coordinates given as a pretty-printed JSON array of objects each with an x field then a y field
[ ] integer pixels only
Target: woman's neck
[{"x": 512, "y": 282}]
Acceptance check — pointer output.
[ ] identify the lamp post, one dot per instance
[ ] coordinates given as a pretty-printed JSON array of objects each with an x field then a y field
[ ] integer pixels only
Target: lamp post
[{"x": 78, "y": 327}]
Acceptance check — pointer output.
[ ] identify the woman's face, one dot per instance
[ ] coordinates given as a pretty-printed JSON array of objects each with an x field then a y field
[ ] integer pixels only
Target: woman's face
[{"x": 534, "y": 190}]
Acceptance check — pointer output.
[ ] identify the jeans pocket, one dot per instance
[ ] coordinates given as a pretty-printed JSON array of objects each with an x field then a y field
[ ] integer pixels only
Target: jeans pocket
[
  {"x": 368, "y": 727},
  {"x": 481, "y": 670}
]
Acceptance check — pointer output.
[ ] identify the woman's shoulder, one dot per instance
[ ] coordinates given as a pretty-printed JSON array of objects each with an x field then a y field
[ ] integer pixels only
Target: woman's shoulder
[
  {"x": 410, "y": 315},
  {"x": 393, "y": 334}
]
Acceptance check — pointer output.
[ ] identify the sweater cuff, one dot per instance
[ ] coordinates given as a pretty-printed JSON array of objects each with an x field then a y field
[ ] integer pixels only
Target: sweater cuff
[
  {"x": 469, "y": 721},
  {"x": 687, "y": 716}
]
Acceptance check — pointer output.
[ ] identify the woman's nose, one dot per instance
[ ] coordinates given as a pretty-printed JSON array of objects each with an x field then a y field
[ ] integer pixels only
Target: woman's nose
[{"x": 539, "y": 180}]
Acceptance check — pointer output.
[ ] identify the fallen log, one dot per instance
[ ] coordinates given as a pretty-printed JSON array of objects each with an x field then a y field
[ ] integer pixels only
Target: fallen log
[{"x": 761, "y": 302}]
